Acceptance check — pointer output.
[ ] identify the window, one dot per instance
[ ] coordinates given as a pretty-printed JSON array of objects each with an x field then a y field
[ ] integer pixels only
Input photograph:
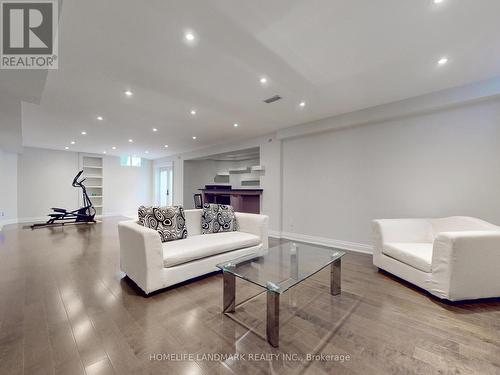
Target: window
[{"x": 130, "y": 161}]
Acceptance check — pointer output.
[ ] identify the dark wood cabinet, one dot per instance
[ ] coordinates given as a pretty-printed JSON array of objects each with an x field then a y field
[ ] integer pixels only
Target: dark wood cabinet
[{"x": 242, "y": 200}]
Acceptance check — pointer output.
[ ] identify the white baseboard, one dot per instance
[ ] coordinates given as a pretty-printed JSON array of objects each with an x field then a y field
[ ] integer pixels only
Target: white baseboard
[
  {"x": 274, "y": 233},
  {"x": 323, "y": 241},
  {"x": 7, "y": 222},
  {"x": 23, "y": 220}
]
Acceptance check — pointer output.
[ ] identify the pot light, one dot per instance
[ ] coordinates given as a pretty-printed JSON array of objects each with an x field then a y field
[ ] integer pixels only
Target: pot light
[
  {"x": 100, "y": 118},
  {"x": 302, "y": 104},
  {"x": 130, "y": 140},
  {"x": 146, "y": 152},
  {"x": 66, "y": 148},
  {"x": 84, "y": 133},
  {"x": 193, "y": 112},
  {"x": 166, "y": 146},
  {"x": 72, "y": 142},
  {"x": 438, "y": 1},
  {"x": 113, "y": 148},
  {"x": 155, "y": 130},
  {"x": 128, "y": 93},
  {"x": 189, "y": 36},
  {"x": 263, "y": 80},
  {"x": 194, "y": 137},
  {"x": 235, "y": 125},
  {"x": 104, "y": 152},
  {"x": 443, "y": 61}
]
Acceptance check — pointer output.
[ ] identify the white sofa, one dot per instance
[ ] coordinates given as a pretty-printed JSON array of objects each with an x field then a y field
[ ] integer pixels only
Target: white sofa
[
  {"x": 455, "y": 258},
  {"x": 154, "y": 265}
]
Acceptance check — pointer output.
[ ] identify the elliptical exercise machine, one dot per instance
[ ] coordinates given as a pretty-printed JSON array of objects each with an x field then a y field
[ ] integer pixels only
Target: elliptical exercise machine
[{"x": 61, "y": 216}]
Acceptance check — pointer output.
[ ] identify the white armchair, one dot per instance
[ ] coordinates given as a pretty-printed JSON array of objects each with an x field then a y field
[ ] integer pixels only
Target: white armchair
[{"x": 455, "y": 258}]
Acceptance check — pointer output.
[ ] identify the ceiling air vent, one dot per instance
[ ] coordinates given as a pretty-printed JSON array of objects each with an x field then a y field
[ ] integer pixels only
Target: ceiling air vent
[{"x": 275, "y": 98}]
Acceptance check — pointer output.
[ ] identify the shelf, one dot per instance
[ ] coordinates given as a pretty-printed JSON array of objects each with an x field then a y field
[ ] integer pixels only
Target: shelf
[
  {"x": 94, "y": 187},
  {"x": 95, "y": 196},
  {"x": 90, "y": 166},
  {"x": 222, "y": 174},
  {"x": 89, "y": 176},
  {"x": 250, "y": 180},
  {"x": 239, "y": 170},
  {"x": 258, "y": 168},
  {"x": 97, "y": 206}
]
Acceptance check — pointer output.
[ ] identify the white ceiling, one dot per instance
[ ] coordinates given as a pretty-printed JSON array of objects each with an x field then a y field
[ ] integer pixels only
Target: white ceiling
[{"x": 337, "y": 55}]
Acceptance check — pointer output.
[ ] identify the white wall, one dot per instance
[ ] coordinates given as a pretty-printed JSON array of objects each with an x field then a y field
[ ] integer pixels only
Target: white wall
[
  {"x": 8, "y": 187},
  {"x": 438, "y": 164},
  {"x": 45, "y": 176},
  {"x": 44, "y": 181}
]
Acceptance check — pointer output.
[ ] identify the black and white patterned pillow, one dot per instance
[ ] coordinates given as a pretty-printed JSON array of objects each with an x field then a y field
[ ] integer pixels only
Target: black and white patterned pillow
[
  {"x": 218, "y": 218},
  {"x": 169, "y": 222}
]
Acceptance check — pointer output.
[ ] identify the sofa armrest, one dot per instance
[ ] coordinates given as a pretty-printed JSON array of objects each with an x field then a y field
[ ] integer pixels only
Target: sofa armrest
[
  {"x": 465, "y": 265},
  {"x": 141, "y": 254},
  {"x": 254, "y": 224}
]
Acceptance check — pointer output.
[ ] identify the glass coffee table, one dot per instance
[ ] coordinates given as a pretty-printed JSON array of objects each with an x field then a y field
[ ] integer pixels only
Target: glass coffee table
[{"x": 277, "y": 270}]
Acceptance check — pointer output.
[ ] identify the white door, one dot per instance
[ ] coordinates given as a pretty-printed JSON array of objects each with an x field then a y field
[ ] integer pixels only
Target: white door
[{"x": 165, "y": 187}]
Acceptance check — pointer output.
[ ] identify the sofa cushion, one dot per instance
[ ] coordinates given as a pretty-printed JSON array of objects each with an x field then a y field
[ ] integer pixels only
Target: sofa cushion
[
  {"x": 169, "y": 222},
  {"x": 415, "y": 254},
  {"x": 202, "y": 246},
  {"x": 218, "y": 218}
]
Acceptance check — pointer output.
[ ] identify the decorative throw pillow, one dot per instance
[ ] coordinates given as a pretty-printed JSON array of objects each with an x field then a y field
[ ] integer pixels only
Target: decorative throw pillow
[
  {"x": 169, "y": 222},
  {"x": 218, "y": 218}
]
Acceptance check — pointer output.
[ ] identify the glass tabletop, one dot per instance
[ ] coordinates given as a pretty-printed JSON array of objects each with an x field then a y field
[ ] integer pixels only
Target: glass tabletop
[{"x": 279, "y": 268}]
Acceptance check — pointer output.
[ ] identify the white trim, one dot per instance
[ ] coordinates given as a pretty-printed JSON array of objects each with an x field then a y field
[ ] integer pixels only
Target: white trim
[
  {"x": 274, "y": 233},
  {"x": 7, "y": 222},
  {"x": 31, "y": 219},
  {"x": 323, "y": 241}
]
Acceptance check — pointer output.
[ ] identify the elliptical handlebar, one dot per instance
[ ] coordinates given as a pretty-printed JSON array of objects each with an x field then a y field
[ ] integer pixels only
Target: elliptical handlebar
[{"x": 77, "y": 183}]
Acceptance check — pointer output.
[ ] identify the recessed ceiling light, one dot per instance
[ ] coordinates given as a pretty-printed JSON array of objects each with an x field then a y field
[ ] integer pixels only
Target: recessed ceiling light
[
  {"x": 66, "y": 148},
  {"x": 302, "y": 104},
  {"x": 72, "y": 142},
  {"x": 84, "y": 133},
  {"x": 443, "y": 61},
  {"x": 194, "y": 137},
  {"x": 113, "y": 148},
  {"x": 104, "y": 152},
  {"x": 193, "y": 112},
  {"x": 155, "y": 130},
  {"x": 235, "y": 125},
  {"x": 263, "y": 80},
  {"x": 166, "y": 146},
  {"x": 131, "y": 140},
  {"x": 189, "y": 36},
  {"x": 438, "y": 1},
  {"x": 146, "y": 152},
  {"x": 100, "y": 118},
  {"x": 128, "y": 93}
]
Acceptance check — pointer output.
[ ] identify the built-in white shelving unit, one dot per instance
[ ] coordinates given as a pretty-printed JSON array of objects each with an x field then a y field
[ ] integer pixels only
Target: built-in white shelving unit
[
  {"x": 92, "y": 166},
  {"x": 247, "y": 176}
]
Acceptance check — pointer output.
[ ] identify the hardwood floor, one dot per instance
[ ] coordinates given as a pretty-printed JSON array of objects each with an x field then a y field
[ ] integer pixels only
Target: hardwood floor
[{"x": 65, "y": 308}]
